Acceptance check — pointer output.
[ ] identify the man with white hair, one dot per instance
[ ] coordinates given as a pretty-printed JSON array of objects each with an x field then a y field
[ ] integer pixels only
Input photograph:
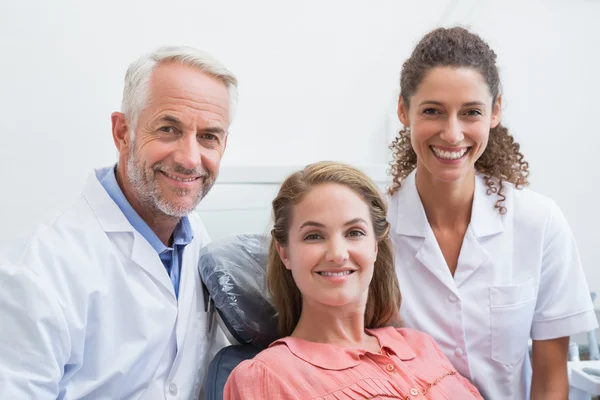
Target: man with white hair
[{"x": 106, "y": 302}]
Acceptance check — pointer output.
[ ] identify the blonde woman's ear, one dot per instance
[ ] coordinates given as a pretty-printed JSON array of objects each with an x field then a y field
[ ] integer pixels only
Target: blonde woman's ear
[{"x": 283, "y": 254}]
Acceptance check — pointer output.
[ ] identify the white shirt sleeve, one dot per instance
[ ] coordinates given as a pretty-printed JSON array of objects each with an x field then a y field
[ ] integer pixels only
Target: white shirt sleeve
[
  {"x": 564, "y": 306},
  {"x": 34, "y": 338}
]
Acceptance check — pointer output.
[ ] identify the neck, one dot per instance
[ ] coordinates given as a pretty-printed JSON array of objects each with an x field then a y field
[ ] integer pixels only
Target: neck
[
  {"x": 162, "y": 225},
  {"x": 342, "y": 326},
  {"x": 446, "y": 204}
]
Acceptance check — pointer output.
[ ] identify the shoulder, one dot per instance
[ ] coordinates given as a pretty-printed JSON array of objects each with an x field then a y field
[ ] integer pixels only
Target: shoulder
[
  {"x": 257, "y": 379},
  {"x": 411, "y": 336},
  {"x": 536, "y": 212},
  {"x": 414, "y": 339},
  {"x": 277, "y": 356},
  {"x": 524, "y": 206}
]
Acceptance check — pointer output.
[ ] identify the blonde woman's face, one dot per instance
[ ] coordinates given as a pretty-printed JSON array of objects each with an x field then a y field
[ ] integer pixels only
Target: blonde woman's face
[
  {"x": 331, "y": 247},
  {"x": 450, "y": 118}
]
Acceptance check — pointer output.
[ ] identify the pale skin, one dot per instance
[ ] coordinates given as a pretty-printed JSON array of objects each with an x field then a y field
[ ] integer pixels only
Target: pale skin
[
  {"x": 182, "y": 127},
  {"x": 332, "y": 231},
  {"x": 453, "y": 111}
]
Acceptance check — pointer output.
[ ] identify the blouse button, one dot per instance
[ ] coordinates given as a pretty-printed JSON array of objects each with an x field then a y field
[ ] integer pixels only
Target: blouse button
[
  {"x": 390, "y": 367},
  {"x": 414, "y": 392}
]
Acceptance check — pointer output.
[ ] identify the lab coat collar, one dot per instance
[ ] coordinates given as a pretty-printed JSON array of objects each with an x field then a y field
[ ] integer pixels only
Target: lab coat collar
[
  {"x": 411, "y": 219},
  {"x": 332, "y": 357},
  {"x": 108, "y": 213},
  {"x": 486, "y": 219},
  {"x": 112, "y": 220}
]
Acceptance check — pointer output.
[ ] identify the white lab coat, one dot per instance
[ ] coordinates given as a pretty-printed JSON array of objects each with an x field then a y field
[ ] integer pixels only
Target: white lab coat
[
  {"x": 90, "y": 312},
  {"x": 519, "y": 276}
]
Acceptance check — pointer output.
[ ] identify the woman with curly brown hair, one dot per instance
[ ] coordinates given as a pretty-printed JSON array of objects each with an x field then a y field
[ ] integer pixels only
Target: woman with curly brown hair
[{"x": 483, "y": 263}]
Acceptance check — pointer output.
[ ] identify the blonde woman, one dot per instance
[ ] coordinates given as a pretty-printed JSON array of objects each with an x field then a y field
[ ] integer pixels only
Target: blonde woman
[{"x": 331, "y": 275}]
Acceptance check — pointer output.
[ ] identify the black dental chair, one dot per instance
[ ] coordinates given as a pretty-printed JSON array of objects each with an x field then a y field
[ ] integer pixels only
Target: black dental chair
[{"x": 234, "y": 272}]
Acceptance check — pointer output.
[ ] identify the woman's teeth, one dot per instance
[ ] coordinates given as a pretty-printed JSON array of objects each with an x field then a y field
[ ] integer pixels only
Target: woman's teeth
[
  {"x": 449, "y": 155},
  {"x": 343, "y": 273}
]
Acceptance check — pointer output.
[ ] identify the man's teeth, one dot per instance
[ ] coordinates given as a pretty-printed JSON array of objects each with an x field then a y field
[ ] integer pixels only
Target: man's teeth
[
  {"x": 449, "y": 155},
  {"x": 180, "y": 179},
  {"x": 343, "y": 273}
]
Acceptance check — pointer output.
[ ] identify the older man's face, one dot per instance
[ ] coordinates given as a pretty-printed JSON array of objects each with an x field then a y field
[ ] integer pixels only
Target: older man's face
[{"x": 179, "y": 140}]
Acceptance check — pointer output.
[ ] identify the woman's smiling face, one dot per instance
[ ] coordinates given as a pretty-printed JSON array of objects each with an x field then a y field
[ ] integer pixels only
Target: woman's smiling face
[{"x": 450, "y": 117}]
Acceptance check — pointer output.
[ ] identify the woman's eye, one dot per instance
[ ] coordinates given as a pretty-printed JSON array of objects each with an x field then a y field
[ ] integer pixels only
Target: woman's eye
[
  {"x": 356, "y": 233},
  {"x": 474, "y": 113},
  {"x": 312, "y": 236}
]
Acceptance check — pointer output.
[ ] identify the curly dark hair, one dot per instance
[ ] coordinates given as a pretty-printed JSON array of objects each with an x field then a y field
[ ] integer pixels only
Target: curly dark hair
[{"x": 456, "y": 47}]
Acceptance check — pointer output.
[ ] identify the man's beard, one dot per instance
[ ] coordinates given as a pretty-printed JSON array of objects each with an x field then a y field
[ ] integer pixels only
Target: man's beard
[{"x": 148, "y": 190}]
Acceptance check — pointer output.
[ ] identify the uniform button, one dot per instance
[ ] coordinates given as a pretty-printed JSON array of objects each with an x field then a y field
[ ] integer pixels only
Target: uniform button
[
  {"x": 414, "y": 392},
  {"x": 173, "y": 389},
  {"x": 452, "y": 298},
  {"x": 390, "y": 367},
  {"x": 458, "y": 352}
]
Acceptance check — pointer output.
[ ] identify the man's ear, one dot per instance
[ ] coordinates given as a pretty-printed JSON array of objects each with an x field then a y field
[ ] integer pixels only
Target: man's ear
[
  {"x": 120, "y": 132},
  {"x": 403, "y": 112},
  {"x": 283, "y": 254}
]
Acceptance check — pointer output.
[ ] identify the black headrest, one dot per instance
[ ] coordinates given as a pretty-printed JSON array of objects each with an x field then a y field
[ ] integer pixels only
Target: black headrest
[{"x": 234, "y": 272}]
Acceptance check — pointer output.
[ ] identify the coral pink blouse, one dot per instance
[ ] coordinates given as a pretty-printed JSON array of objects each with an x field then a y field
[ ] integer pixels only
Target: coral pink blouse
[{"x": 411, "y": 366}]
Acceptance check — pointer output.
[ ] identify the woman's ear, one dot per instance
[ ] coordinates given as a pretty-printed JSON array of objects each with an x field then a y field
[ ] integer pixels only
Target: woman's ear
[
  {"x": 403, "y": 112},
  {"x": 496, "y": 113},
  {"x": 283, "y": 254}
]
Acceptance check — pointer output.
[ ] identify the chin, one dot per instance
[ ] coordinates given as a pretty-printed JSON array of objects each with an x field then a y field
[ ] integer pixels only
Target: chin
[{"x": 449, "y": 175}]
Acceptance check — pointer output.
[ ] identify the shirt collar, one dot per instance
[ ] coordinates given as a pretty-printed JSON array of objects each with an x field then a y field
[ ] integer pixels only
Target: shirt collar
[
  {"x": 332, "y": 357},
  {"x": 411, "y": 219},
  {"x": 183, "y": 231}
]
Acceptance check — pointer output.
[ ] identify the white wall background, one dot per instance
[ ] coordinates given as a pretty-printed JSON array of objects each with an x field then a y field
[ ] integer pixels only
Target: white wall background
[{"x": 319, "y": 80}]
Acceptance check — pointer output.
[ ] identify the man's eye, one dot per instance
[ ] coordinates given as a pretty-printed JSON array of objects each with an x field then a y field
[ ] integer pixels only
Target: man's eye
[
  {"x": 167, "y": 129},
  {"x": 210, "y": 137}
]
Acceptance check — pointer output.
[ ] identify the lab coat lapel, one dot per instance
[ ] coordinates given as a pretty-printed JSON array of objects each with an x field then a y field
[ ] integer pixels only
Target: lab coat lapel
[
  {"x": 190, "y": 302},
  {"x": 486, "y": 222},
  {"x": 430, "y": 255},
  {"x": 412, "y": 222},
  {"x": 111, "y": 219}
]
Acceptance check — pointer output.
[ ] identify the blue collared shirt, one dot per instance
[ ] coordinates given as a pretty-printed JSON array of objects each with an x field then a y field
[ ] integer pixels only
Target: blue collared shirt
[{"x": 182, "y": 236}]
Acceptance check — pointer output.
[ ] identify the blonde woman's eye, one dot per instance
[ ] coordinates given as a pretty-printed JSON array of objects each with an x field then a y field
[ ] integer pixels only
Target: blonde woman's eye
[
  {"x": 312, "y": 236},
  {"x": 356, "y": 233}
]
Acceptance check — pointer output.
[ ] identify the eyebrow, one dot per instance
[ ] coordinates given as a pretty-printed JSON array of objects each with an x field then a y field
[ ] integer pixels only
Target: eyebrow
[
  {"x": 320, "y": 225},
  {"x": 170, "y": 118},
  {"x": 468, "y": 104},
  {"x": 213, "y": 129}
]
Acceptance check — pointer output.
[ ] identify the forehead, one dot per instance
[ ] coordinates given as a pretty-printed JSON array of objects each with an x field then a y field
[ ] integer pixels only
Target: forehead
[
  {"x": 460, "y": 85},
  {"x": 330, "y": 203},
  {"x": 183, "y": 86}
]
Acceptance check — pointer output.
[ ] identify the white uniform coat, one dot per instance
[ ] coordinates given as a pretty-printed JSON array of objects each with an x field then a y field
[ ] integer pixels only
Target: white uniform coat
[
  {"x": 90, "y": 312},
  {"x": 519, "y": 276}
]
